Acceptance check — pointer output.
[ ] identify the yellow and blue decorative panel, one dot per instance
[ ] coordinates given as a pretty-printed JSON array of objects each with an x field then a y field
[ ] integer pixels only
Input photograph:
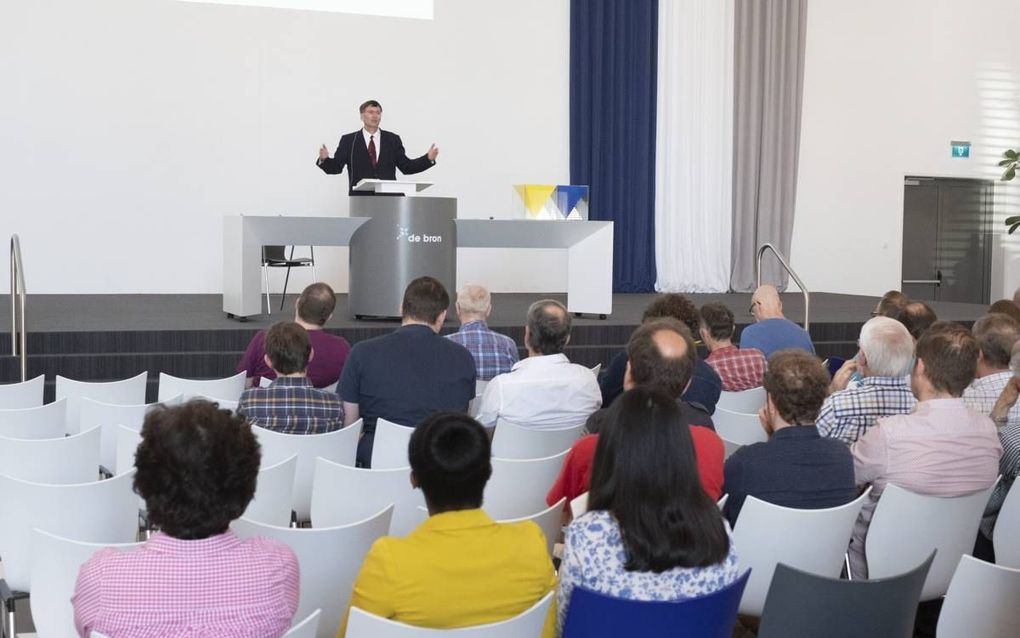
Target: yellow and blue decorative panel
[{"x": 549, "y": 201}]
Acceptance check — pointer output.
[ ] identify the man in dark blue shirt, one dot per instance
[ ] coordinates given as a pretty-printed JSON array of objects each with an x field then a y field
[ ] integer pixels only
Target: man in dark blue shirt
[
  {"x": 796, "y": 467},
  {"x": 410, "y": 374}
]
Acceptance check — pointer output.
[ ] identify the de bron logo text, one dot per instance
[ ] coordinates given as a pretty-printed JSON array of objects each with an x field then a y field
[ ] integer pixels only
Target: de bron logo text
[{"x": 404, "y": 234}]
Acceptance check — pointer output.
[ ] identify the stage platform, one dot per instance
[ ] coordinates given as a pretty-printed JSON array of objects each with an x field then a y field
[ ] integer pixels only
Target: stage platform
[{"x": 103, "y": 337}]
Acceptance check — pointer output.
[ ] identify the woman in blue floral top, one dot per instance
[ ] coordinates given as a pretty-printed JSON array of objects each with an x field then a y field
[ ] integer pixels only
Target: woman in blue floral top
[{"x": 651, "y": 532}]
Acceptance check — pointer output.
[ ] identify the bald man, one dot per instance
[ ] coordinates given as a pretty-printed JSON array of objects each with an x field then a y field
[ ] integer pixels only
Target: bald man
[
  {"x": 771, "y": 330},
  {"x": 494, "y": 353}
]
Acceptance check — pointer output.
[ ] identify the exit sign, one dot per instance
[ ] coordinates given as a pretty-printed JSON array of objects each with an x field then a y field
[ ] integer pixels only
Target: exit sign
[{"x": 960, "y": 149}]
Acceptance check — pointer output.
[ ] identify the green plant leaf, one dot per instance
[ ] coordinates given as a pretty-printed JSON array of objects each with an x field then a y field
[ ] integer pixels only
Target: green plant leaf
[
  {"x": 1010, "y": 154},
  {"x": 1014, "y": 227},
  {"x": 1009, "y": 174},
  {"x": 1015, "y": 219},
  {"x": 1006, "y": 162}
]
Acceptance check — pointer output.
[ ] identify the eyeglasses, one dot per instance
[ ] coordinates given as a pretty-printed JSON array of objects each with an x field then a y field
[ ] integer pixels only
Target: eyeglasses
[{"x": 753, "y": 304}]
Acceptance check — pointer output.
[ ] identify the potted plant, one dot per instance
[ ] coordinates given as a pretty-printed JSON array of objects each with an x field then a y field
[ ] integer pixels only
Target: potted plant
[{"x": 1010, "y": 160}]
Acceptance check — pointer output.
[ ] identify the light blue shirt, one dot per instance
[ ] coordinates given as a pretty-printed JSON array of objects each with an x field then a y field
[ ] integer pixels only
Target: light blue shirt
[{"x": 769, "y": 335}]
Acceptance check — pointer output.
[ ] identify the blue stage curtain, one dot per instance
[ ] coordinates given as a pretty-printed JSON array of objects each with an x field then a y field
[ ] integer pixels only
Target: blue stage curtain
[{"x": 612, "y": 126}]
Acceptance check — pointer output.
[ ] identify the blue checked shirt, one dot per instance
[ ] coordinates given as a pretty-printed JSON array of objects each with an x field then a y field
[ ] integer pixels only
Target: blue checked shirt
[
  {"x": 493, "y": 353},
  {"x": 292, "y": 406},
  {"x": 846, "y": 415}
]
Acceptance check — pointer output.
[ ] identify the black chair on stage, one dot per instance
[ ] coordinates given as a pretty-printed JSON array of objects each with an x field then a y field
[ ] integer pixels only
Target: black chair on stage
[{"x": 276, "y": 257}]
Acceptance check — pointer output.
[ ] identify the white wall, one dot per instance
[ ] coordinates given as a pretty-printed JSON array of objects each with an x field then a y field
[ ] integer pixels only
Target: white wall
[
  {"x": 887, "y": 86},
  {"x": 128, "y": 128}
]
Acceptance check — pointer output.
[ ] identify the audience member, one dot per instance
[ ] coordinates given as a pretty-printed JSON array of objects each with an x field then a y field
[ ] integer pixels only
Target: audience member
[
  {"x": 311, "y": 311},
  {"x": 1006, "y": 307},
  {"x": 885, "y": 359},
  {"x": 1003, "y": 415},
  {"x": 290, "y": 404},
  {"x": 651, "y": 532},
  {"x": 459, "y": 568},
  {"x": 918, "y": 317},
  {"x": 660, "y": 357},
  {"x": 408, "y": 374},
  {"x": 494, "y": 353},
  {"x": 738, "y": 369},
  {"x": 771, "y": 330},
  {"x": 892, "y": 304},
  {"x": 796, "y": 467},
  {"x": 705, "y": 383},
  {"x": 545, "y": 390},
  {"x": 943, "y": 448},
  {"x": 996, "y": 334},
  {"x": 196, "y": 470}
]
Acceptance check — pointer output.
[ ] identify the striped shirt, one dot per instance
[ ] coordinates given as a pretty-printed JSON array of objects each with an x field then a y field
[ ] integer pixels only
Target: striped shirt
[
  {"x": 218, "y": 586},
  {"x": 292, "y": 406},
  {"x": 739, "y": 369},
  {"x": 493, "y": 353},
  {"x": 1009, "y": 468},
  {"x": 846, "y": 415}
]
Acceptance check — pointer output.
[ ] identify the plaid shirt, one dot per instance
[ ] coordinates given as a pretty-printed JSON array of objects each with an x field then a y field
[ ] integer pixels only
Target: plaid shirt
[
  {"x": 494, "y": 353},
  {"x": 982, "y": 394},
  {"x": 292, "y": 406},
  {"x": 739, "y": 369},
  {"x": 847, "y": 414},
  {"x": 1009, "y": 468}
]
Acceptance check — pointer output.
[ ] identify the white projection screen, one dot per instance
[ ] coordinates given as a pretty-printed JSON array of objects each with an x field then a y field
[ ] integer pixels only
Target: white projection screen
[{"x": 420, "y": 9}]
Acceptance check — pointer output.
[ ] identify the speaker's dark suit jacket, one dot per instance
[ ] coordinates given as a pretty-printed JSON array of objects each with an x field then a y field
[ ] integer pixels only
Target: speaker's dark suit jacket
[{"x": 352, "y": 152}]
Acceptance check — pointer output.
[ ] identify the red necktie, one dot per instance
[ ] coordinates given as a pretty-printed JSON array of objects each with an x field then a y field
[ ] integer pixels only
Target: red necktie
[{"x": 371, "y": 151}]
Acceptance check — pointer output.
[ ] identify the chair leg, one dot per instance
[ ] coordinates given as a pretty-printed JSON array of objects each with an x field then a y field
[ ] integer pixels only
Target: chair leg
[
  {"x": 846, "y": 559},
  {"x": 265, "y": 287},
  {"x": 285, "y": 282}
]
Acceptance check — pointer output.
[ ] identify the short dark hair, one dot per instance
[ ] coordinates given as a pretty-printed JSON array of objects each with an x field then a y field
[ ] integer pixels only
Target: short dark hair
[
  {"x": 548, "y": 326},
  {"x": 918, "y": 317},
  {"x": 650, "y": 369},
  {"x": 892, "y": 304},
  {"x": 316, "y": 304},
  {"x": 287, "y": 347},
  {"x": 996, "y": 334},
  {"x": 1005, "y": 307},
  {"x": 368, "y": 103},
  {"x": 451, "y": 460},
  {"x": 798, "y": 383},
  {"x": 197, "y": 467},
  {"x": 674, "y": 306},
  {"x": 950, "y": 353},
  {"x": 425, "y": 299},
  {"x": 717, "y": 320},
  {"x": 645, "y": 474}
]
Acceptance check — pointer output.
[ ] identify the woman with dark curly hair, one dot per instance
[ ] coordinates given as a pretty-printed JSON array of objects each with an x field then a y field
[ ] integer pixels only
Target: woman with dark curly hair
[{"x": 196, "y": 469}]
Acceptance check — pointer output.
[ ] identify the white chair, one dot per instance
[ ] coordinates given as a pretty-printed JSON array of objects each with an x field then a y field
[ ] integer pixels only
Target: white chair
[
  {"x": 983, "y": 601},
  {"x": 52, "y": 576},
  {"x": 229, "y": 388},
  {"x": 343, "y": 494},
  {"x": 329, "y": 559},
  {"x": 512, "y": 441},
  {"x": 125, "y": 443},
  {"x": 729, "y": 447},
  {"x": 814, "y": 541},
  {"x": 43, "y": 422},
  {"x": 389, "y": 449},
  {"x": 597, "y": 370},
  {"x": 529, "y": 623},
  {"x": 480, "y": 387},
  {"x": 1006, "y": 535},
  {"x": 306, "y": 628},
  {"x": 67, "y": 460},
  {"x": 579, "y": 505},
  {"x": 745, "y": 401},
  {"x": 518, "y": 487},
  {"x": 340, "y": 446},
  {"x": 108, "y": 416},
  {"x": 742, "y": 429},
  {"x": 222, "y": 403},
  {"x": 124, "y": 392},
  {"x": 274, "y": 493},
  {"x": 549, "y": 520},
  {"x": 721, "y": 503},
  {"x": 906, "y": 527},
  {"x": 24, "y": 394}
]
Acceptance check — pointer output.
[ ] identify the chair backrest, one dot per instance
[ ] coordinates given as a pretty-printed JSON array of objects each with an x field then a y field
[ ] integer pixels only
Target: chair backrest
[
  {"x": 306, "y": 628},
  {"x": 340, "y": 446},
  {"x": 52, "y": 576},
  {"x": 96, "y": 512},
  {"x": 739, "y": 428},
  {"x": 744, "y": 402},
  {"x": 518, "y": 486},
  {"x": 42, "y": 422},
  {"x": 803, "y": 604},
  {"x": 24, "y": 394},
  {"x": 594, "y": 615},
  {"x": 278, "y": 253},
  {"x": 108, "y": 416},
  {"x": 223, "y": 404},
  {"x": 62, "y": 461},
  {"x": 983, "y": 601},
  {"x": 389, "y": 449},
  {"x": 126, "y": 444},
  {"x": 729, "y": 447},
  {"x": 342, "y": 494},
  {"x": 265, "y": 382},
  {"x": 721, "y": 503},
  {"x": 1006, "y": 535},
  {"x": 579, "y": 505},
  {"x": 548, "y": 520},
  {"x": 480, "y": 387},
  {"x": 812, "y": 540},
  {"x": 274, "y": 493},
  {"x": 229, "y": 388},
  {"x": 596, "y": 370},
  {"x": 512, "y": 441},
  {"x": 124, "y": 392},
  {"x": 329, "y": 559},
  {"x": 362, "y": 624},
  {"x": 906, "y": 527}
]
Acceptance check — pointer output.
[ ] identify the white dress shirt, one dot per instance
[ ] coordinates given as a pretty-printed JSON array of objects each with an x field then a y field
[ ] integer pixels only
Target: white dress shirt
[{"x": 541, "y": 392}]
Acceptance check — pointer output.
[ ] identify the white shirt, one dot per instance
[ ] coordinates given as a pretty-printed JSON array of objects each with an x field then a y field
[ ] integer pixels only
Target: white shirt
[
  {"x": 541, "y": 392},
  {"x": 365, "y": 134}
]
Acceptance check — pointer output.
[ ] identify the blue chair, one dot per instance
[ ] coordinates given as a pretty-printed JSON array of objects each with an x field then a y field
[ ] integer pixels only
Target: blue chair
[{"x": 594, "y": 615}]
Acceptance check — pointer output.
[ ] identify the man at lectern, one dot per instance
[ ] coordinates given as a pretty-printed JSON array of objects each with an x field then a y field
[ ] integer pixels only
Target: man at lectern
[{"x": 372, "y": 153}]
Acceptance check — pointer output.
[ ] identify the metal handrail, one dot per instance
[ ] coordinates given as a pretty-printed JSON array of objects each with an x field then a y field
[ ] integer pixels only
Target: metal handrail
[
  {"x": 807, "y": 295},
  {"x": 18, "y": 295}
]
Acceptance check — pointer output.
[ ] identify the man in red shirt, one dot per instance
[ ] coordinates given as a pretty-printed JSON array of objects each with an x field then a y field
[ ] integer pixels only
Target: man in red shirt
[
  {"x": 739, "y": 368},
  {"x": 661, "y": 356}
]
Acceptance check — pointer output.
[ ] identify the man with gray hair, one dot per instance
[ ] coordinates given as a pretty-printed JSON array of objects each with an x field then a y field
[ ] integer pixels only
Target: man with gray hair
[
  {"x": 494, "y": 353},
  {"x": 996, "y": 334},
  {"x": 885, "y": 360},
  {"x": 544, "y": 390}
]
